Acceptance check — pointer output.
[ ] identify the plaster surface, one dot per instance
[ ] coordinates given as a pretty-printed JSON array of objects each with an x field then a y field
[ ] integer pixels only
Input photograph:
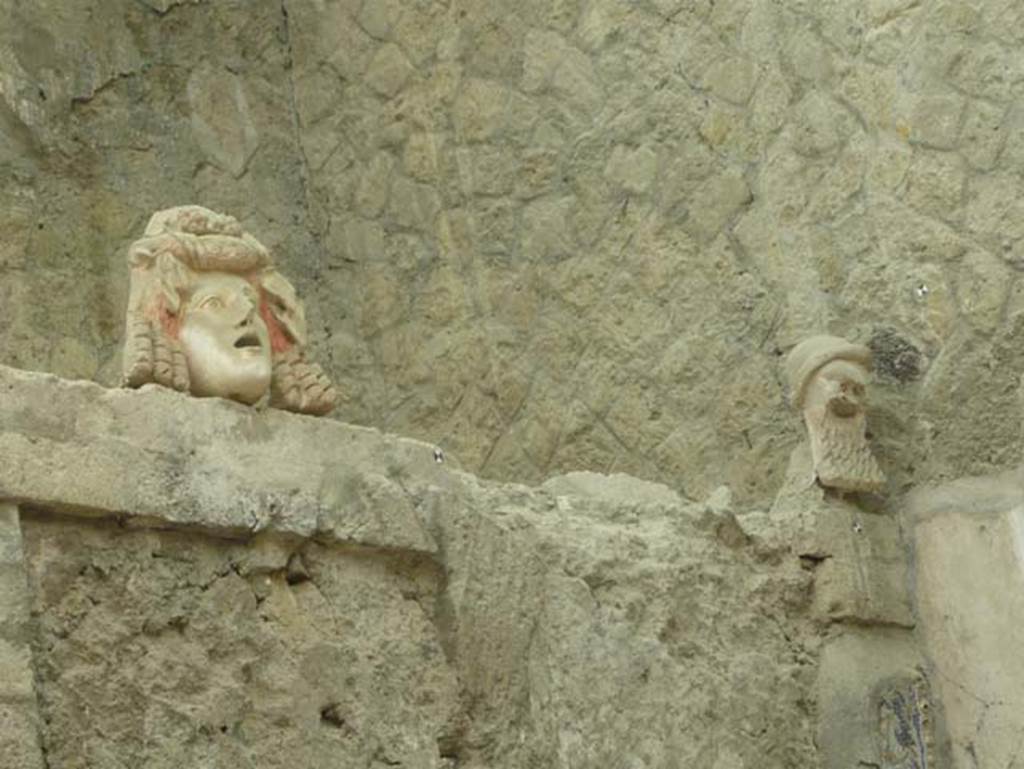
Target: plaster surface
[{"x": 970, "y": 600}]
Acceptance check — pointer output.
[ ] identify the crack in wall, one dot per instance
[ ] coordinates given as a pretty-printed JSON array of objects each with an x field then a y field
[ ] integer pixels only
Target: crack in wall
[{"x": 289, "y": 66}]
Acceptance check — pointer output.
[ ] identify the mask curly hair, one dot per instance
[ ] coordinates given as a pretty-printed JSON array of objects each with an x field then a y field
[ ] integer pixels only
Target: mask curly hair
[{"x": 179, "y": 243}]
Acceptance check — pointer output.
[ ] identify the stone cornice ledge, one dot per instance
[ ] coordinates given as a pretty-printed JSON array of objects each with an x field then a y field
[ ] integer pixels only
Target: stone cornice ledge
[{"x": 155, "y": 457}]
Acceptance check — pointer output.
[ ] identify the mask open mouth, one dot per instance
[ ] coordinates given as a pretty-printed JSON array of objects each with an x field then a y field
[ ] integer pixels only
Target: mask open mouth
[{"x": 250, "y": 340}]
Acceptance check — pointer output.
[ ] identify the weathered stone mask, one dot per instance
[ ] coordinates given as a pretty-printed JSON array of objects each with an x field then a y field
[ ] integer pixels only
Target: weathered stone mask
[
  {"x": 828, "y": 379},
  {"x": 225, "y": 341},
  {"x": 208, "y": 314}
]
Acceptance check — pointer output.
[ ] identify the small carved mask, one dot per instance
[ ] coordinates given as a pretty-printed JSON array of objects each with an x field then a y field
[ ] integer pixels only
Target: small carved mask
[
  {"x": 837, "y": 390},
  {"x": 835, "y": 413},
  {"x": 225, "y": 341},
  {"x": 828, "y": 379},
  {"x": 208, "y": 314}
]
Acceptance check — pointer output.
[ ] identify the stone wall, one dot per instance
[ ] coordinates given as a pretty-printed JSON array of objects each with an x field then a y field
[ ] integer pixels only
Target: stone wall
[
  {"x": 167, "y": 649},
  {"x": 384, "y": 609},
  {"x": 19, "y": 713},
  {"x": 552, "y": 234}
]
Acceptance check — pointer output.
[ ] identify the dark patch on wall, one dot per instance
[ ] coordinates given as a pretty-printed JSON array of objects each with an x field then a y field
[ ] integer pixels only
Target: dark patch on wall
[{"x": 896, "y": 357}]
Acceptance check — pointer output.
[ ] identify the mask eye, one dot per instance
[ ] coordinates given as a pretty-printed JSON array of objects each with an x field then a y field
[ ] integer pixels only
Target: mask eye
[{"x": 211, "y": 303}]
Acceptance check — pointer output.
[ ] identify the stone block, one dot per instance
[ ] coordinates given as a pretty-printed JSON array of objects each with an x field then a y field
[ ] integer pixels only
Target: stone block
[
  {"x": 10, "y": 541},
  {"x": 14, "y": 598},
  {"x": 715, "y": 202},
  {"x": 995, "y": 208},
  {"x": 969, "y": 560},
  {"x": 935, "y": 184},
  {"x": 378, "y": 18},
  {"x": 545, "y": 236},
  {"x": 864, "y": 577},
  {"x": 421, "y": 155},
  {"x": 480, "y": 109},
  {"x": 157, "y": 456},
  {"x": 732, "y": 79},
  {"x": 935, "y": 120},
  {"x": 413, "y": 204},
  {"x": 859, "y": 559},
  {"x": 14, "y": 605},
  {"x": 19, "y": 737},
  {"x": 222, "y": 123},
  {"x": 615, "y": 487},
  {"x": 389, "y": 70},
  {"x": 982, "y": 135},
  {"x": 486, "y": 170},
  {"x": 192, "y": 651},
  {"x": 633, "y": 169},
  {"x": 983, "y": 285},
  {"x": 820, "y": 125},
  {"x": 19, "y": 723},
  {"x": 549, "y": 62},
  {"x": 16, "y": 674},
  {"x": 371, "y": 194},
  {"x": 809, "y": 56}
]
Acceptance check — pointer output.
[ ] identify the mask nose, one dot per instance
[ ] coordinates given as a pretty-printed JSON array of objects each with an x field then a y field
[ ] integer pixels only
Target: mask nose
[{"x": 247, "y": 313}]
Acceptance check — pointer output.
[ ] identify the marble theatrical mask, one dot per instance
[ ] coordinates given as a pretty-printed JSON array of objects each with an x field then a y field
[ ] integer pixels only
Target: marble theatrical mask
[{"x": 209, "y": 315}]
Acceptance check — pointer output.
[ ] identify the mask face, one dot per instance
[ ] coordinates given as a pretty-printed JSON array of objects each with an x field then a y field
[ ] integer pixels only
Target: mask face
[
  {"x": 837, "y": 390},
  {"x": 225, "y": 340},
  {"x": 836, "y": 417}
]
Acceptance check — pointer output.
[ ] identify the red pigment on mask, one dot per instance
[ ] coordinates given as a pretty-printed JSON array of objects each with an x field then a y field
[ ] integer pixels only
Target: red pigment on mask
[
  {"x": 279, "y": 341},
  {"x": 170, "y": 322}
]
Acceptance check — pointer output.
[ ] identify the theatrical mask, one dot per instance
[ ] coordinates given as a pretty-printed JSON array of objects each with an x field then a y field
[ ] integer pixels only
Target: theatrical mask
[
  {"x": 829, "y": 379},
  {"x": 209, "y": 315}
]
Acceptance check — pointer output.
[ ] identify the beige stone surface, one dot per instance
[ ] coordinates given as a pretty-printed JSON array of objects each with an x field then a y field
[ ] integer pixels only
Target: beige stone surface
[
  {"x": 164, "y": 649},
  {"x": 158, "y": 456},
  {"x": 969, "y": 559},
  {"x": 618, "y": 486},
  {"x": 551, "y": 236},
  {"x": 857, "y": 551},
  {"x": 445, "y": 621},
  {"x": 864, "y": 577},
  {"x": 19, "y": 717},
  {"x": 19, "y": 743},
  {"x": 593, "y": 631}
]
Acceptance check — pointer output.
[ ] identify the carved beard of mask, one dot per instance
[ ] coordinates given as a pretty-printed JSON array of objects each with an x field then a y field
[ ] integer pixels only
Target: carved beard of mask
[
  {"x": 225, "y": 341},
  {"x": 834, "y": 411}
]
